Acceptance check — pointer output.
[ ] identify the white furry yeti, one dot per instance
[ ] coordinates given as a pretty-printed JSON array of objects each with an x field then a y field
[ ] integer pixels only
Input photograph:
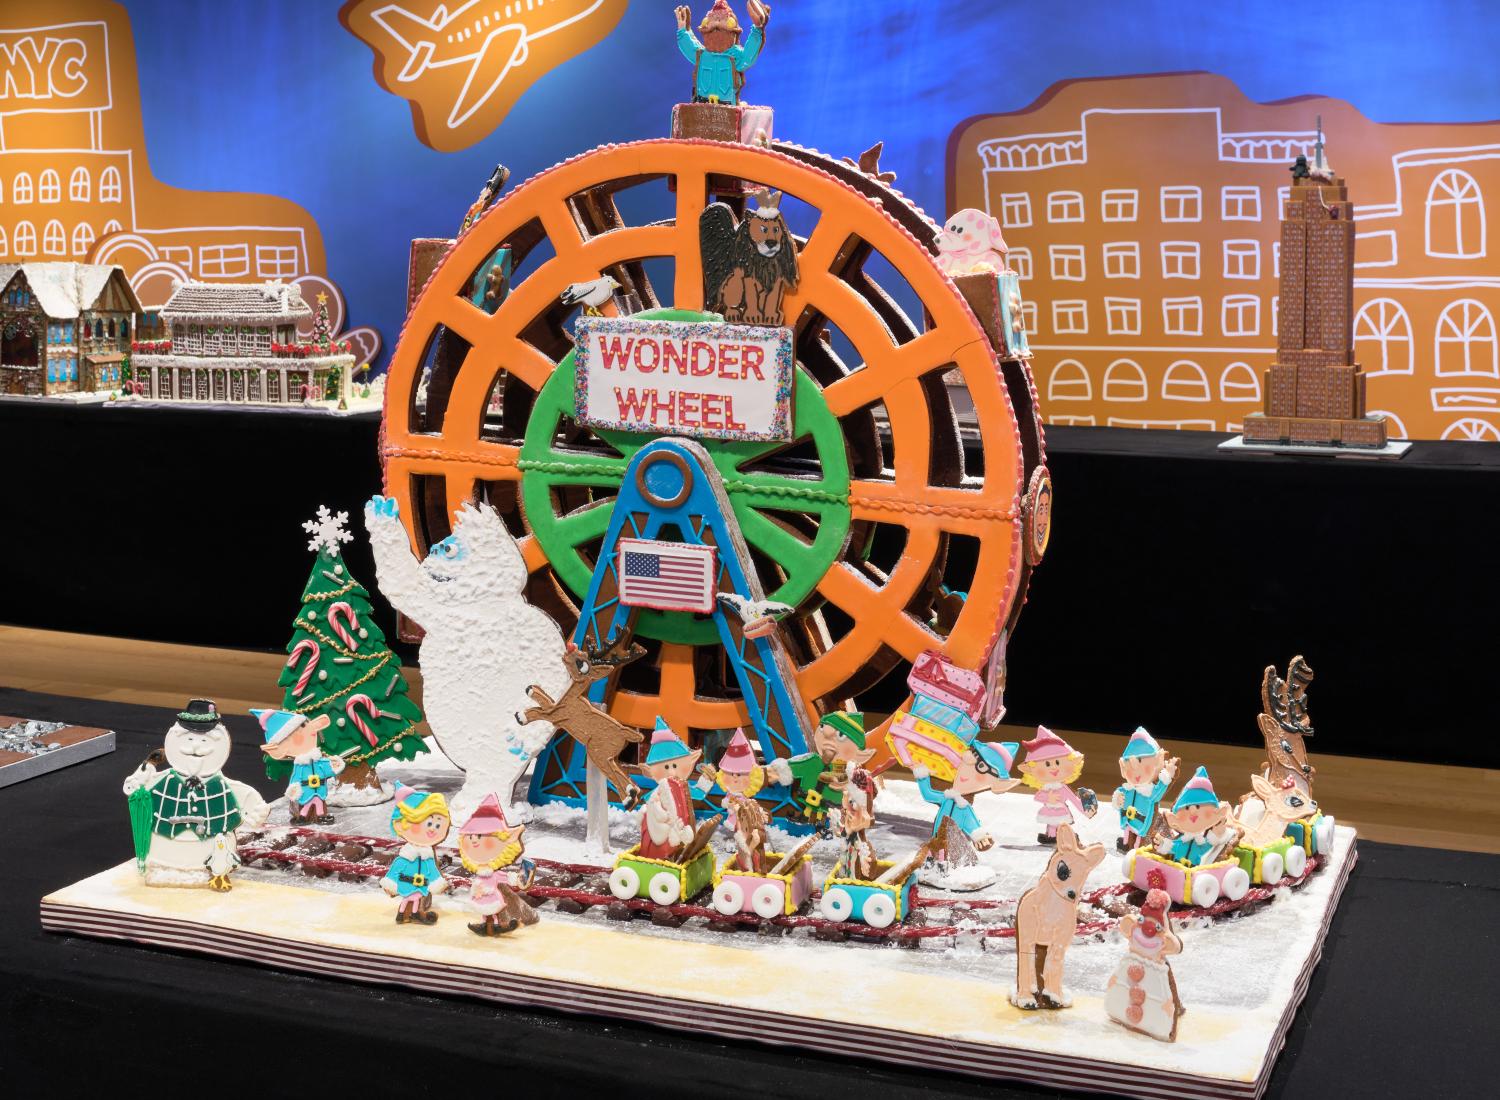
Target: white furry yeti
[{"x": 484, "y": 644}]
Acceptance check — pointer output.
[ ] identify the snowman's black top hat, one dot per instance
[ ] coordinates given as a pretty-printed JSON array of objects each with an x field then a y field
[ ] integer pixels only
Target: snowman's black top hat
[{"x": 200, "y": 716}]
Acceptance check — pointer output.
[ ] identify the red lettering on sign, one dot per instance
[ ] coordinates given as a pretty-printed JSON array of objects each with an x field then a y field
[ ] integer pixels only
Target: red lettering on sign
[
  {"x": 641, "y": 364},
  {"x": 612, "y": 350},
  {"x": 754, "y": 357},
  {"x": 730, "y": 423},
  {"x": 674, "y": 356}
]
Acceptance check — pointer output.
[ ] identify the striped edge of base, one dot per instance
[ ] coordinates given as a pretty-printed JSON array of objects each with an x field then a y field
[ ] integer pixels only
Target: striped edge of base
[{"x": 771, "y": 1028}]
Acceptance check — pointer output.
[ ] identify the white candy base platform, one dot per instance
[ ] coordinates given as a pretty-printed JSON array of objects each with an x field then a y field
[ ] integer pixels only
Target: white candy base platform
[{"x": 942, "y": 1005}]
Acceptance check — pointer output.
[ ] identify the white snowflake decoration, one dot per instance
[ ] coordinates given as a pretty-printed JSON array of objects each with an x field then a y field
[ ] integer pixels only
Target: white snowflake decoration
[{"x": 327, "y": 530}]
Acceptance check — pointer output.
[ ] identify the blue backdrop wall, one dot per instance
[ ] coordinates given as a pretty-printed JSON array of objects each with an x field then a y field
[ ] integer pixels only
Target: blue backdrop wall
[{"x": 277, "y": 97}]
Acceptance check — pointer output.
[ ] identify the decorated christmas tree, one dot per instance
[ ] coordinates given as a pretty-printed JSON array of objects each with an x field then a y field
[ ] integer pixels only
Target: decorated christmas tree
[
  {"x": 322, "y": 334},
  {"x": 338, "y": 664}
]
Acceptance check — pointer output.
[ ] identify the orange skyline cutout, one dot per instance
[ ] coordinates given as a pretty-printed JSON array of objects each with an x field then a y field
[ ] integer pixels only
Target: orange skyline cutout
[
  {"x": 463, "y": 64},
  {"x": 1144, "y": 213}
]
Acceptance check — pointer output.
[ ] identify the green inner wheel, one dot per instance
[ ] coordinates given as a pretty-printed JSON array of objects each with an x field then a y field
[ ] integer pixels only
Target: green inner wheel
[{"x": 755, "y": 495}]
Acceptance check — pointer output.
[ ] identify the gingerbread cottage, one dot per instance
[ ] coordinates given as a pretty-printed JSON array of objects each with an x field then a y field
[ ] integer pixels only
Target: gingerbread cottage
[{"x": 64, "y": 327}]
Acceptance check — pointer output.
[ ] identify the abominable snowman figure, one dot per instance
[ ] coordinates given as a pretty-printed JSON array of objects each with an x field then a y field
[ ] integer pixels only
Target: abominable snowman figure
[
  {"x": 483, "y": 645},
  {"x": 195, "y": 808}
]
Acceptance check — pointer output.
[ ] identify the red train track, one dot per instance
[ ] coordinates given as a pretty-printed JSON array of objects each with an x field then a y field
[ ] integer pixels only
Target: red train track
[{"x": 558, "y": 882}]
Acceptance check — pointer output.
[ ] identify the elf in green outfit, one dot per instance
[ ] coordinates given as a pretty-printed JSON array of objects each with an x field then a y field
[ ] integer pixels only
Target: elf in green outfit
[{"x": 819, "y": 778}]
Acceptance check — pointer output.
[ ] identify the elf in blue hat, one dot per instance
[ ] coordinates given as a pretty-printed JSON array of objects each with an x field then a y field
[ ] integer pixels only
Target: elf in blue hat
[
  {"x": 294, "y": 737},
  {"x": 421, "y": 819},
  {"x": 667, "y": 822},
  {"x": 1148, "y": 771},
  {"x": 1201, "y": 823}
]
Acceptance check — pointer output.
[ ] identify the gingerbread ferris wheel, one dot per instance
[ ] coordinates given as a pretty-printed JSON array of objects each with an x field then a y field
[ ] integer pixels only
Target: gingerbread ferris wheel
[{"x": 851, "y": 519}]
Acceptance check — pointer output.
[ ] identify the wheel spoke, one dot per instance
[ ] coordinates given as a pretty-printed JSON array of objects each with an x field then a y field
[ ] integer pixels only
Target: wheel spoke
[
  {"x": 871, "y": 383},
  {"x": 775, "y": 541},
  {"x": 687, "y": 291},
  {"x": 577, "y": 528}
]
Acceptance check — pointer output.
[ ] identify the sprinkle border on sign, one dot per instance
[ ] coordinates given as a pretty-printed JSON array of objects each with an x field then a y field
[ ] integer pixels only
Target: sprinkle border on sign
[{"x": 687, "y": 330}]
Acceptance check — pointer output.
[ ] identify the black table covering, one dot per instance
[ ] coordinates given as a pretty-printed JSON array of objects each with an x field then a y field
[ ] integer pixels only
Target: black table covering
[
  {"x": 1176, "y": 573},
  {"x": 1402, "y": 1005}
]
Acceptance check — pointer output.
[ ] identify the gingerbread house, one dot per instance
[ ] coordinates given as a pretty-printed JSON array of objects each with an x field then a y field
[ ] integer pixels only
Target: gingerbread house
[
  {"x": 239, "y": 343},
  {"x": 64, "y": 327}
]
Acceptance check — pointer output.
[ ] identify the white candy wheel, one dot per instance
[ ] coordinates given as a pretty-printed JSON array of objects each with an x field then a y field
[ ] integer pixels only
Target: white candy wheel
[
  {"x": 880, "y": 910},
  {"x": 768, "y": 900},
  {"x": 1129, "y": 864},
  {"x": 1205, "y": 890},
  {"x": 729, "y": 898},
  {"x": 1323, "y": 835},
  {"x": 1271, "y": 868},
  {"x": 664, "y": 888},
  {"x": 836, "y": 904},
  {"x": 1236, "y": 883},
  {"x": 624, "y": 883},
  {"x": 1296, "y": 861}
]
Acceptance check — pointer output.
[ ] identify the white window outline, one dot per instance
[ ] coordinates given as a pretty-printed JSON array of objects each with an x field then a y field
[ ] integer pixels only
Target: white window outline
[
  {"x": 1454, "y": 192},
  {"x": 1120, "y": 205},
  {"x": 1384, "y": 321},
  {"x": 276, "y": 261},
  {"x": 181, "y": 255},
  {"x": 1177, "y": 257},
  {"x": 1276, "y": 315},
  {"x": 1136, "y": 385},
  {"x": 83, "y": 238},
  {"x": 1239, "y": 204},
  {"x": 1235, "y": 389},
  {"x": 49, "y": 186},
  {"x": 1183, "y": 307},
  {"x": 1122, "y": 260},
  {"x": 217, "y": 261},
  {"x": 1275, "y": 259},
  {"x": 54, "y": 239},
  {"x": 1020, "y": 261},
  {"x": 1186, "y": 374},
  {"x": 1065, "y": 206},
  {"x": 1015, "y": 210},
  {"x": 1062, "y": 257},
  {"x": 80, "y": 186},
  {"x": 1182, "y": 203},
  {"x": 110, "y": 226},
  {"x": 1236, "y": 253},
  {"x": 4, "y": 244},
  {"x": 1475, "y": 325},
  {"x": 1070, "y": 317},
  {"x": 1066, "y": 421},
  {"x": 1235, "y": 307},
  {"x": 2, "y": 195},
  {"x": 1283, "y": 196},
  {"x": 1061, "y": 387},
  {"x": 109, "y": 184},
  {"x": 1127, "y": 311},
  {"x": 20, "y": 190}
]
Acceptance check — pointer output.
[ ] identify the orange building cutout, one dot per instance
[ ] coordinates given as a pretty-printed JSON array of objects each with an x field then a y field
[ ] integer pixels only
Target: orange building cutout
[
  {"x": 1144, "y": 215},
  {"x": 463, "y": 65},
  {"x": 75, "y": 183}
]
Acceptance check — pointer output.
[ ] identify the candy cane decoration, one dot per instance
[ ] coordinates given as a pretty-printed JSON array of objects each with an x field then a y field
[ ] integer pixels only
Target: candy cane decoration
[
  {"x": 306, "y": 645},
  {"x": 341, "y": 610},
  {"x": 363, "y": 702}
]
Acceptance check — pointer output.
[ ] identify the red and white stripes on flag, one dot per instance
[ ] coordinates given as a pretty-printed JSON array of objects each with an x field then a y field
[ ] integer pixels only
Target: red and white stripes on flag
[{"x": 667, "y": 576}]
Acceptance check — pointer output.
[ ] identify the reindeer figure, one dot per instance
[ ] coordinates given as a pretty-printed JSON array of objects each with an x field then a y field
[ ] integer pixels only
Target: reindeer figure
[
  {"x": 1284, "y": 722},
  {"x": 601, "y": 736},
  {"x": 1262, "y": 817},
  {"x": 1046, "y": 918}
]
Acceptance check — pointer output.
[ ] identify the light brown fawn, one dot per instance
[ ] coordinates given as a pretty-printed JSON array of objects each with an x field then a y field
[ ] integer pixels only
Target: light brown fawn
[{"x": 1046, "y": 918}]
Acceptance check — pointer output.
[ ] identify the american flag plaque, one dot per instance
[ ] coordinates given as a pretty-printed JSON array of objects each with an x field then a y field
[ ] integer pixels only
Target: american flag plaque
[{"x": 666, "y": 576}]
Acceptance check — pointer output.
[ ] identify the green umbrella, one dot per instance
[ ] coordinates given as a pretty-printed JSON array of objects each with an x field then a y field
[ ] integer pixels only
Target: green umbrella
[{"x": 140, "y": 824}]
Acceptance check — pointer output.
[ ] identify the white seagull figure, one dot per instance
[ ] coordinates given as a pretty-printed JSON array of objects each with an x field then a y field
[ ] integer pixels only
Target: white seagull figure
[
  {"x": 759, "y": 616},
  {"x": 591, "y": 295}
]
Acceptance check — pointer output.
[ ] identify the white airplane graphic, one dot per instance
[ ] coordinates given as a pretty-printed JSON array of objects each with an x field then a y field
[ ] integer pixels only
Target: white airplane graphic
[{"x": 486, "y": 35}]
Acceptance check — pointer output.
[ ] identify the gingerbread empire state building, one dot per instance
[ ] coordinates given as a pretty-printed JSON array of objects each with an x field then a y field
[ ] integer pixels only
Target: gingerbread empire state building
[{"x": 1315, "y": 392}]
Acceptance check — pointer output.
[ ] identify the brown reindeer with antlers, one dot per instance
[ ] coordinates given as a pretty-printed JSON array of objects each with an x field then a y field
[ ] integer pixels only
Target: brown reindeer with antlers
[
  {"x": 1284, "y": 722},
  {"x": 601, "y": 736}
]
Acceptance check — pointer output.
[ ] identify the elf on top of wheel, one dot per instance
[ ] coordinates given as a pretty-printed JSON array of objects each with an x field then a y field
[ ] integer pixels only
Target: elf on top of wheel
[{"x": 760, "y": 371}]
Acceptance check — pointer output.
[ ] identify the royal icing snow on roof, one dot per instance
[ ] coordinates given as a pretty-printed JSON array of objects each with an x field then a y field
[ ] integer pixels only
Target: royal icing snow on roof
[
  {"x": 272, "y": 301},
  {"x": 64, "y": 290}
]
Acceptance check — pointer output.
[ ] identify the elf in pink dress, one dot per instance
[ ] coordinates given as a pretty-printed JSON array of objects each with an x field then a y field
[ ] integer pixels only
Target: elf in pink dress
[
  {"x": 491, "y": 849},
  {"x": 1051, "y": 765}
]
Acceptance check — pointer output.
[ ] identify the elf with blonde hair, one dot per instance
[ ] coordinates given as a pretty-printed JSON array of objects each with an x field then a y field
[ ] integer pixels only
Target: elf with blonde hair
[
  {"x": 491, "y": 848},
  {"x": 1051, "y": 766},
  {"x": 422, "y": 821},
  {"x": 741, "y": 778}
]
